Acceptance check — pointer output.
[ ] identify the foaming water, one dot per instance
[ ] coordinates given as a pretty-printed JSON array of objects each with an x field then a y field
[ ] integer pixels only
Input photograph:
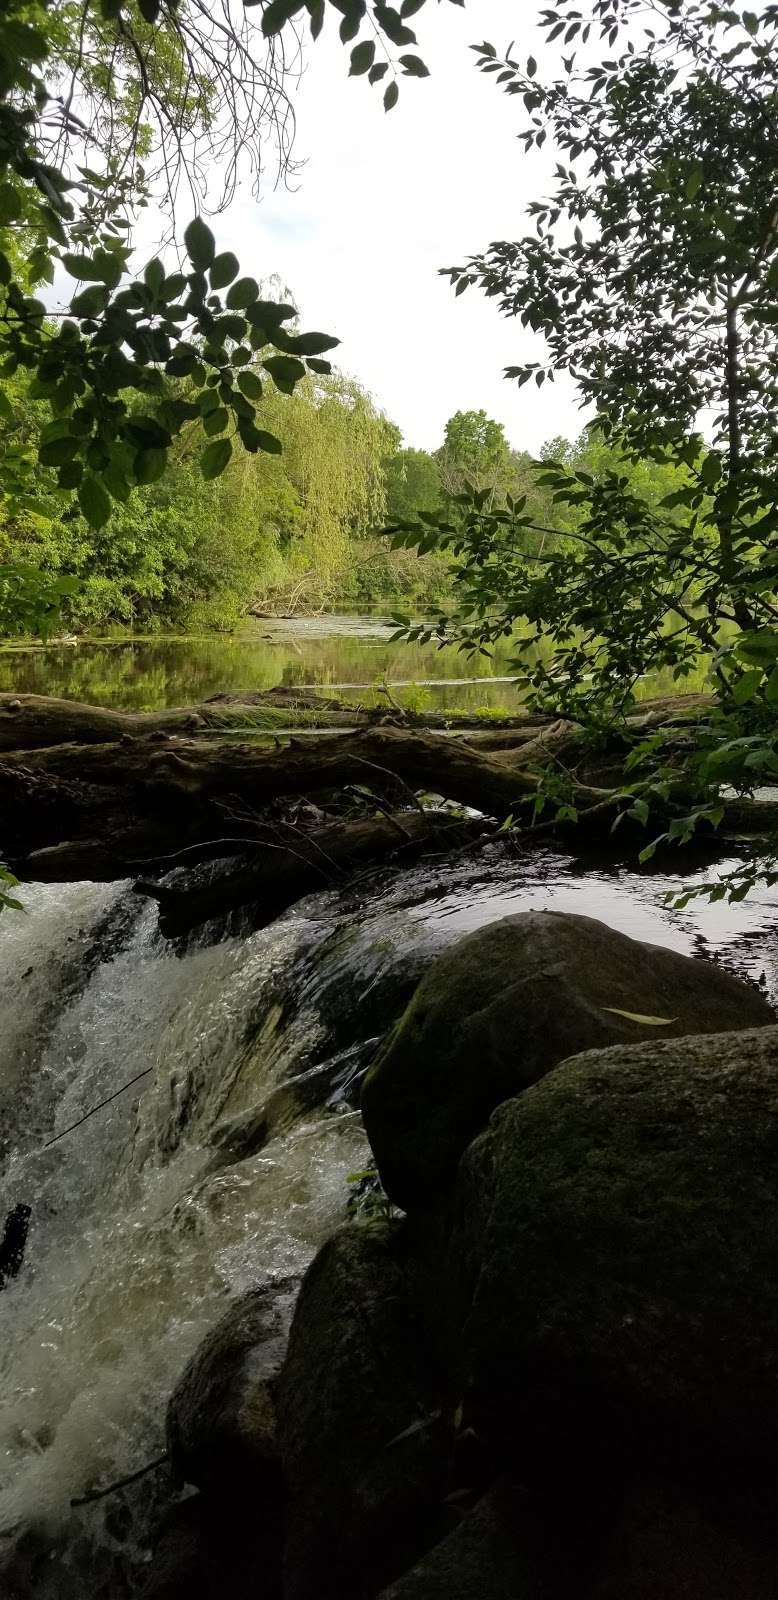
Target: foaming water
[{"x": 143, "y": 1227}]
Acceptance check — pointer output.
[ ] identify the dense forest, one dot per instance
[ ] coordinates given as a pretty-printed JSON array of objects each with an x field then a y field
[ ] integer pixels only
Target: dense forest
[{"x": 294, "y": 530}]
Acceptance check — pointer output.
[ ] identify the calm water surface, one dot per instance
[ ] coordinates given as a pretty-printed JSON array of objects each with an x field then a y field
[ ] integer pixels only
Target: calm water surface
[{"x": 348, "y": 656}]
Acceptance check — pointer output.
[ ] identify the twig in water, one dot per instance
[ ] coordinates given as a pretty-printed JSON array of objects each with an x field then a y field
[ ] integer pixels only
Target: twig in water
[
  {"x": 121, "y": 1483},
  {"x": 98, "y": 1107}
]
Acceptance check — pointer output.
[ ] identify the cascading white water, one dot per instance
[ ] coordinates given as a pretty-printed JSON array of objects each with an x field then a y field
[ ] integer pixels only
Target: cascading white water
[{"x": 140, "y": 1233}]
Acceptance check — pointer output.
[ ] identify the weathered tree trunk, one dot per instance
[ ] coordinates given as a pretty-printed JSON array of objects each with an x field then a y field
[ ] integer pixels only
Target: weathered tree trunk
[
  {"x": 142, "y": 800},
  {"x": 36, "y": 722},
  {"x": 299, "y": 863}
]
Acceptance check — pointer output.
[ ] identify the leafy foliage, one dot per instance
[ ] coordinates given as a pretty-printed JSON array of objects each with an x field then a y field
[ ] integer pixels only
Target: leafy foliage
[
  {"x": 158, "y": 88},
  {"x": 651, "y": 275}
]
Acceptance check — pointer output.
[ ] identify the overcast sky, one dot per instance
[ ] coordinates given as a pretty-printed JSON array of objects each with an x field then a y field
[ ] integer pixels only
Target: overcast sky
[{"x": 383, "y": 201}]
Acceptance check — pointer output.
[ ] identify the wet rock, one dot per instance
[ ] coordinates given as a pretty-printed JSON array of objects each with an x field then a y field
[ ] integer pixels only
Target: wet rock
[
  {"x": 495, "y": 1553},
  {"x": 329, "y": 1084},
  {"x": 364, "y": 1449},
  {"x": 668, "y": 1544},
  {"x": 506, "y": 1005},
  {"x": 614, "y": 1251},
  {"x": 201, "y": 1553},
  {"x": 221, "y": 1421}
]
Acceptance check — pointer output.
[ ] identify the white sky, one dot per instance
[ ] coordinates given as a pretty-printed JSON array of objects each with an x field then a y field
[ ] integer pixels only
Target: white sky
[{"x": 384, "y": 201}]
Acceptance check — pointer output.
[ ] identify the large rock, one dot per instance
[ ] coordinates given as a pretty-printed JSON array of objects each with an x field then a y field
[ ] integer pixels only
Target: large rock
[
  {"x": 208, "y": 1550},
  {"x": 614, "y": 1250},
  {"x": 363, "y": 1446},
  {"x": 505, "y": 1005},
  {"x": 221, "y": 1421},
  {"x": 499, "y": 1551},
  {"x": 668, "y": 1544}
]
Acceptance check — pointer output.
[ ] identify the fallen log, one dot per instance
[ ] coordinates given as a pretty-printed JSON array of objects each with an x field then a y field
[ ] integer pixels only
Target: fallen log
[
  {"x": 36, "y": 722},
  {"x": 138, "y": 797},
  {"x": 279, "y": 874}
]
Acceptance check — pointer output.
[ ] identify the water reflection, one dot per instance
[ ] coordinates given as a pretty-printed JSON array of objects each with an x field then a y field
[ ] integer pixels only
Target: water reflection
[{"x": 347, "y": 655}]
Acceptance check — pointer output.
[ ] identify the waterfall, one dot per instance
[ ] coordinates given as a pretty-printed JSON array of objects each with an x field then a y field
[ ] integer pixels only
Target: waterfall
[{"x": 144, "y": 1221}]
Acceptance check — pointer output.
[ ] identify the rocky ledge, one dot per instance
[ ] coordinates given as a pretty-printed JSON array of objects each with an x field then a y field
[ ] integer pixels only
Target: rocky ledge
[{"x": 556, "y": 1374}]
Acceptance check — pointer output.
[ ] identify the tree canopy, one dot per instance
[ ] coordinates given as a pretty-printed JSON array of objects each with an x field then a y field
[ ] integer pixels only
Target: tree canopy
[{"x": 651, "y": 274}]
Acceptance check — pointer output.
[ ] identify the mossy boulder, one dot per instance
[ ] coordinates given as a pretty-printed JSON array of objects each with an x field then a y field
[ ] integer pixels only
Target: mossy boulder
[
  {"x": 496, "y": 1012},
  {"x": 491, "y": 1555},
  {"x": 221, "y": 1420},
  {"x": 363, "y": 1443},
  {"x": 614, "y": 1250}
]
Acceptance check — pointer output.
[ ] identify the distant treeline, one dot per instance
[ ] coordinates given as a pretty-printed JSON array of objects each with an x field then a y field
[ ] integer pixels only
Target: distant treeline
[{"x": 294, "y": 532}]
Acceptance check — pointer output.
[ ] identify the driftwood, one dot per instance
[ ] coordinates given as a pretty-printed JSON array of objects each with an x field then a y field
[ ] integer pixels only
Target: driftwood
[
  {"x": 144, "y": 806},
  {"x": 36, "y": 722},
  {"x": 135, "y": 794},
  {"x": 280, "y": 873}
]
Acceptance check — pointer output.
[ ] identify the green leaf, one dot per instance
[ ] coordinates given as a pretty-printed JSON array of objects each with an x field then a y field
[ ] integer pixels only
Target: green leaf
[
  {"x": 10, "y": 204},
  {"x": 312, "y": 344},
  {"x": 94, "y": 501},
  {"x": 90, "y": 302},
  {"x": 277, "y": 14},
  {"x": 747, "y": 686},
  {"x": 269, "y": 443},
  {"x": 285, "y": 371},
  {"x": 216, "y": 421},
  {"x": 149, "y": 465},
  {"x": 694, "y": 183},
  {"x": 54, "y": 452},
  {"x": 391, "y": 96},
  {"x": 378, "y": 72},
  {"x": 645, "y": 1021},
  {"x": 710, "y": 471},
  {"x": 225, "y": 267},
  {"x": 362, "y": 58},
  {"x": 6, "y": 409},
  {"x": 215, "y": 458},
  {"x": 414, "y": 67},
  {"x": 751, "y": 23},
  {"x": 250, "y": 385},
  {"x": 316, "y": 13},
  {"x": 242, "y": 294},
  {"x": 200, "y": 244},
  {"x": 316, "y": 365},
  {"x": 758, "y": 647},
  {"x": 182, "y": 362},
  {"x": 154, "y": 276},
  {"x": 392, "y": 24}
]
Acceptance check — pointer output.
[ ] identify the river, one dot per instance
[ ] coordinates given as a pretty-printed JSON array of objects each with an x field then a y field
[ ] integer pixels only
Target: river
[
  {"x": 140, "y": 1231},
  {"x": 348, "y": 655}
]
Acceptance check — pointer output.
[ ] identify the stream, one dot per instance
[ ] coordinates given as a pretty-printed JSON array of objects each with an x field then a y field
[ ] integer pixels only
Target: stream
[{"x": 120, "y": 1061}]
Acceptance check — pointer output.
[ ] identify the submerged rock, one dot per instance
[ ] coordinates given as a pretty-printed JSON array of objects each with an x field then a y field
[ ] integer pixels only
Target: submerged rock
[
  {"x": 221, "y": 1421},
  {"x": 505, "y": 1005},
  {"x": 363, "y": 1447},
  {"x": 614, "y": 1253}
]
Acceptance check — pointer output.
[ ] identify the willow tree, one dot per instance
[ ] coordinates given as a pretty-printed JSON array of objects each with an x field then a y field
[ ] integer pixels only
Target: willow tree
[
  {"x": 650, "y": 272},
  {"x": 104, "y": 106}
]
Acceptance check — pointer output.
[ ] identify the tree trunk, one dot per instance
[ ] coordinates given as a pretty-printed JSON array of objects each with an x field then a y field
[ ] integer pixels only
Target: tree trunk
[{"x": 277, "y": 875}]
